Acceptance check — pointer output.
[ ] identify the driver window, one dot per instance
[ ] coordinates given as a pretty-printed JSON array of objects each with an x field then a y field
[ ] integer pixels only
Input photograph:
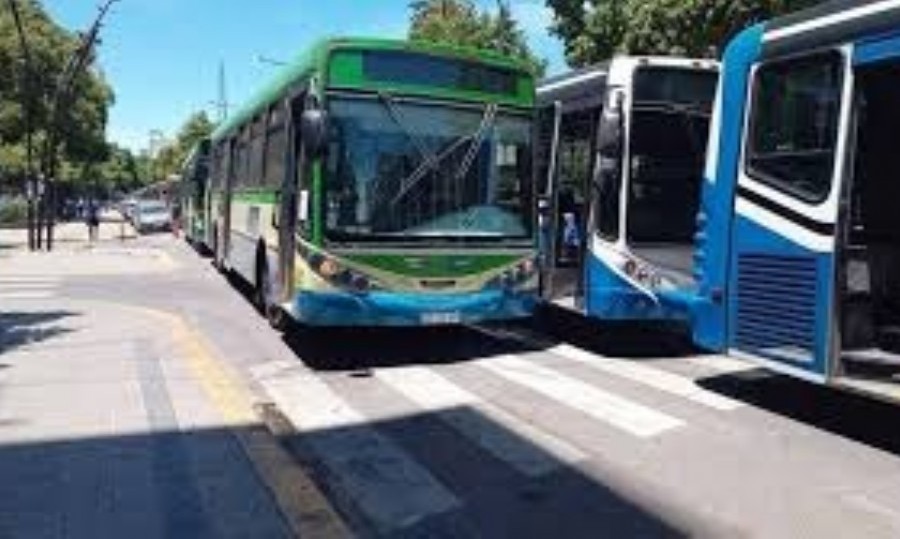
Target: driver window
[{"x": 794, "y": 125}]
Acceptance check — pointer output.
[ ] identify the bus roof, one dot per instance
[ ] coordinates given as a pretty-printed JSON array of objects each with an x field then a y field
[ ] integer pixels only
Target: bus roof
[
  {"x": 585, "y": 88},
  {"x": 307, "y": 63},
  {"x": 830, "y": 23},
  {"x": 575, "y": 87}
]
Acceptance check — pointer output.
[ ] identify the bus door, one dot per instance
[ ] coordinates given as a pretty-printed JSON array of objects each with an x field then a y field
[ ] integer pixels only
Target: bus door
[
  {"x": 781, "y": 297},
  {"x": 566, "y": 203},
  {"x": 869, "y": 280}
]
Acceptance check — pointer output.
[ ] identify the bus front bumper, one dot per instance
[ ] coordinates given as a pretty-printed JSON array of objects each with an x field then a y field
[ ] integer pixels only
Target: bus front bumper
[{"x": 395, "y": 309}]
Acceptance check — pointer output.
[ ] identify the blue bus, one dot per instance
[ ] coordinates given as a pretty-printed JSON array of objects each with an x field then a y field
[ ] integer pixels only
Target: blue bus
[
  {"x": 799, "y": 252},
  {"x": 621, "y": 150}
]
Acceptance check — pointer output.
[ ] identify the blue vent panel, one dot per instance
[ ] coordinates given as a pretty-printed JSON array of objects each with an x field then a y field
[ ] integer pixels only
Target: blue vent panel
[{"x": 776, "y": 306}]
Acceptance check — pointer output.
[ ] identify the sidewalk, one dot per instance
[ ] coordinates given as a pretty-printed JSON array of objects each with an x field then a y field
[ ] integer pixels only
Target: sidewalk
[
  {"x": 67, "y": 235},
  {"x": 117, "y": 421}
]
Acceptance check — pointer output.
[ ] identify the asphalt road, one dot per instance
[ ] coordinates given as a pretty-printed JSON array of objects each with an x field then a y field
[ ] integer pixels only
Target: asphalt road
[{"x": 573, "y": 430}]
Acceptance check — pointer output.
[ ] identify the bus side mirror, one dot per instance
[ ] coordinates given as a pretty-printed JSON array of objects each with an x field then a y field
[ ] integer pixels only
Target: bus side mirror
[
  {"x": 314, "y": 130},
  {"x": 609, "y": 140},
  {"x": 611, "y": 131}
]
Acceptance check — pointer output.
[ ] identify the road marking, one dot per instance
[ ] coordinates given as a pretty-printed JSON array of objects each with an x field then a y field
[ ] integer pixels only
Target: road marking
[
  {"x": 304, "y": 507},
  {"x": 33, "y": 295},
  {"x": 622, "y": 413},
  {"x": 509, "y": 438},
  {"x": 27, "y": 287},
  {"x": 722, "y": 364},
  {"x": 381, "y": 479},
  {"x": 660, "y": 380}
]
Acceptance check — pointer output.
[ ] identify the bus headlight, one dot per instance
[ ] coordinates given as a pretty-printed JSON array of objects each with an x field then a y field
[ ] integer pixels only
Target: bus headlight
[
  {"x": 642, "y": 273},
  {"x": 336, "y": 274},
  {"x": 515, "y": 276}
]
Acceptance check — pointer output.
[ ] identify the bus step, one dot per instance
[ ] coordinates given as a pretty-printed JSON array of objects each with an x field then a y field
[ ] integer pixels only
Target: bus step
[{"x": 872, "y": 356}]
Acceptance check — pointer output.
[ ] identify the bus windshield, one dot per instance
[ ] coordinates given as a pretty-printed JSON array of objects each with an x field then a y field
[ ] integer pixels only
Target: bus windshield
[
  {"x": 669, "y": 132},
  {"x": 402, "y": 171}
]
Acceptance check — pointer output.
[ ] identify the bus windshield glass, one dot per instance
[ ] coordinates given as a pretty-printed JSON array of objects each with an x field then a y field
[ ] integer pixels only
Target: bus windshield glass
[
  {"x": 670, "y": 125},
  {"x": 403, "y": 171}
]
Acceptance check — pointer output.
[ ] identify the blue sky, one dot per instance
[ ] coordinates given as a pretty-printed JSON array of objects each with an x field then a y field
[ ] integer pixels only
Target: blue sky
[{"x": 162, "y": 56}]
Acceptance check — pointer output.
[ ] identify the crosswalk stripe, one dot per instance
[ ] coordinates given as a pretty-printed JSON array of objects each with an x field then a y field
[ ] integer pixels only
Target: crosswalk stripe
[
  {"x": 21, "y": 279},
  {"x": 26, "y": 295},
  {"x": 721, "y": 364},
  {"x": 658, "y": 379},
  {"x": 31, "y": 285},
  {"x": 622, "y": 413},
  {"x": 509, "y": 438},
  {"x": 382, "y": 479}
]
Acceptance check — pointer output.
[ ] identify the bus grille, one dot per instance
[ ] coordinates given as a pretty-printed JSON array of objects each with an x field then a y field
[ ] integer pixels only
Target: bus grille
[{"x": 776, "y": 306}]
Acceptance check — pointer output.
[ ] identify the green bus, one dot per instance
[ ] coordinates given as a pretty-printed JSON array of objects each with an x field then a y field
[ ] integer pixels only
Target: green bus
[
  {"x": 193, "y": 200},
  {"x": 382, "y": 183}
]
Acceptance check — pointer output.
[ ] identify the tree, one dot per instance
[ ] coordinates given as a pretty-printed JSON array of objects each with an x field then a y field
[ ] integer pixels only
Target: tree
[
  {"x": 83, "y": 134},
  {"x": 595, "y": 30},
  {"x": 460, "y": 23},
  {"x": 170, "y": 158}
]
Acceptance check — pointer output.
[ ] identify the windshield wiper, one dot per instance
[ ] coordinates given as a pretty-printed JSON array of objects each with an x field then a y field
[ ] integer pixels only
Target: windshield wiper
[
  {"x": 433, "y": 164},
  {"x": 487, "y": 122}
]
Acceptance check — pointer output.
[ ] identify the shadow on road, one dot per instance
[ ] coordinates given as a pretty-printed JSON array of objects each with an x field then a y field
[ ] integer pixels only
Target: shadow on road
[
  {"x": 363, "y": 348},
  {"x": 850, "y": 416},
  {"x": 166, "y": 484},
  {"x": 19, "y": 329},
  {"x": 615, "y": 339},
  {"x": 415, "y": 476}
]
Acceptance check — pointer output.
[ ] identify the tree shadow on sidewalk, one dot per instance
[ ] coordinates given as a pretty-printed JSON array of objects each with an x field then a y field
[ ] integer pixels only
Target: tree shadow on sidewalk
[{"x": 19, "y": 329}]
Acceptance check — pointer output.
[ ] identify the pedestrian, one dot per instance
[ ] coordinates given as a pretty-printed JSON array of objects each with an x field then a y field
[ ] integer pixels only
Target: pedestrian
[{"x": 93, "y": 222}]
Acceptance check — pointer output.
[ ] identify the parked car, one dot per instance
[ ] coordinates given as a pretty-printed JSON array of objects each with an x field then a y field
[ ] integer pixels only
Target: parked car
[{"x": 151, "y": 216}]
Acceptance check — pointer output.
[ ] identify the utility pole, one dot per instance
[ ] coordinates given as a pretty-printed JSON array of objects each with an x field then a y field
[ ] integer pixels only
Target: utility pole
[
  {"x": 223, "y": 95},
  {"x": 77, "y": 64},
  {"x": 28, "y": 110}
]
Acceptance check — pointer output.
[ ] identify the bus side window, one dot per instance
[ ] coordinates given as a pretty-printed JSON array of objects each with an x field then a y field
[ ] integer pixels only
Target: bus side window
[{"x": 794, "y": 125}]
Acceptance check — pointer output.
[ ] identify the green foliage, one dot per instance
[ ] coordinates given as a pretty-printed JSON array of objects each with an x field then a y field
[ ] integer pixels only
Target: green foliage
[
  {"x": 173, "y": 156},
  {"x": 13, "y": 211},
  {"x": 84, "y": 118},
  {"x": 460, "y": 23},
  {"x": 595, "y": 30}
]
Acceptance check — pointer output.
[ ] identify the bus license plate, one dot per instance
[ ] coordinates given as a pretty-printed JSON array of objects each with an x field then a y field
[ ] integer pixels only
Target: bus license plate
[{"x": 440, "y": 319}]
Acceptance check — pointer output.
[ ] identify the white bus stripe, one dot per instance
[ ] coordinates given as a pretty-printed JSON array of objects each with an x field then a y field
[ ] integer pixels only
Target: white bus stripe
[
  {"x": 660, "y": 380},
  {"x": 509, "y": 438},
  {"x": 829, "y": 20},
  {"x": 387, "y": 484},
  {"x": 624, "y": 414}
]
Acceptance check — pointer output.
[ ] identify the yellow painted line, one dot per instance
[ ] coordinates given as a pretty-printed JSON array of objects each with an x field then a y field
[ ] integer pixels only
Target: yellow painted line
[{"x": 305, "y": 508}]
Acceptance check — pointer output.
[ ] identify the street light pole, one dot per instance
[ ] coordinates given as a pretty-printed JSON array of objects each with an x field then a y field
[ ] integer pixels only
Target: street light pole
[
  {"x": 76, "y": 65},
  {"x": 28, "y": 110}
]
